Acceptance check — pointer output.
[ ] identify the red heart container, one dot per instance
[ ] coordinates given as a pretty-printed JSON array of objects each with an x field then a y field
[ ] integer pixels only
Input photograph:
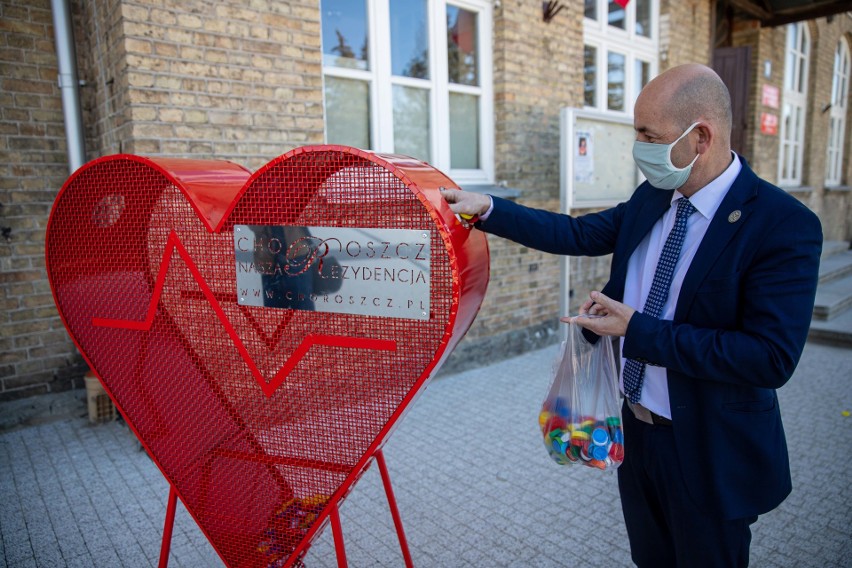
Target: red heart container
[{"x": 261, "y": 418}]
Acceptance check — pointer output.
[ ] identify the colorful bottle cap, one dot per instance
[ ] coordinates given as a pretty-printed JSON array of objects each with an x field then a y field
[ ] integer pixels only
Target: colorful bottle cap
[
  {"x": 556, "y": 422},
  {"x": 598, "y": 452},
  {"x": 600, "y": 437},
  {"x": 561, "y": 407},
  {"x": 616, "y": 452}
]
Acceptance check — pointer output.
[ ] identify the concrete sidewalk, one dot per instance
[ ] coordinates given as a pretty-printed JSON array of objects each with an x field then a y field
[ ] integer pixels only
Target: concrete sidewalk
[{"x": 472, "y": 479}]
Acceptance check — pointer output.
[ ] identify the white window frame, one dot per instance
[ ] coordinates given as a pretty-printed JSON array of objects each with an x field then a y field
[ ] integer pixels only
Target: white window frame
[
  {"x": 794, "y": 102},
  {"x": 837, "y": 114},
  {"x": 381, "y": 82},
  {"x": 605, "y": 39}
]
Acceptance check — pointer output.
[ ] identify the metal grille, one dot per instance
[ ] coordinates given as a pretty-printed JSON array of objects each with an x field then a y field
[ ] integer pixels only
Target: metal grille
[{"x": 262, "y": 419}]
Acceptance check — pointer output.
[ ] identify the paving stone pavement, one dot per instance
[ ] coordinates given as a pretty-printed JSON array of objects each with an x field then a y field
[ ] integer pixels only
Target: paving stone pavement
[{"x": 473, "y": 482}]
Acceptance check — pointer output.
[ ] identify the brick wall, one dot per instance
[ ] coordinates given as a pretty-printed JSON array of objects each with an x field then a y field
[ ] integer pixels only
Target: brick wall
[
  {"x": 684, "y": 33},
  {"x": 769, "y": 46},
  {"x": 231, "y": 80},
  {"x": 104, "y": 95},
  {"x": 833, "y": 207},
  {"x": 206, "y": 79},
  {"x": 36, "y": 355}
]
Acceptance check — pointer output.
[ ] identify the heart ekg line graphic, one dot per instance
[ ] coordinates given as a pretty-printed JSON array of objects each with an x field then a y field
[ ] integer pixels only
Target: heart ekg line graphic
[{"x": 173, "y": 244}]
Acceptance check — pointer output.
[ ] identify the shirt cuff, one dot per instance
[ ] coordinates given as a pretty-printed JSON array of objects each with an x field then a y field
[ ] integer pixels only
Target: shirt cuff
[{"x": 484, "y": 216}]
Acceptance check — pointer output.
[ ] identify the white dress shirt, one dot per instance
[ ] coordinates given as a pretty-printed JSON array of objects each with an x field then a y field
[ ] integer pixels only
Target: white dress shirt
[{"x": 643, "y": 264}]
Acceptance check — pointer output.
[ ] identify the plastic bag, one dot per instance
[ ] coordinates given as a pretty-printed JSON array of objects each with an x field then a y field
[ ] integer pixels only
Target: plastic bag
[{"x": 581, "y": 417}]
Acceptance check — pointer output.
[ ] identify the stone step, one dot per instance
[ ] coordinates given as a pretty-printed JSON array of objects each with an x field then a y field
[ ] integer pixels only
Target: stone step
[
  {"x": 836, "y": 331},
  {"x": 832, "y": 247},
  {"x": 833, "y": 298},
  {"x": 835, "y": 266}
]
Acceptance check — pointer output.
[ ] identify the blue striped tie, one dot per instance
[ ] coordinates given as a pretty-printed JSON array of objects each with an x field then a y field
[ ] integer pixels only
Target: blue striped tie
[{"x": 634, "y": 371}]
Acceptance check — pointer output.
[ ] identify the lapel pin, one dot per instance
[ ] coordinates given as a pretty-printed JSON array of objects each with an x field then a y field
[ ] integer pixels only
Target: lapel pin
[{"x": 734, "y": 216}]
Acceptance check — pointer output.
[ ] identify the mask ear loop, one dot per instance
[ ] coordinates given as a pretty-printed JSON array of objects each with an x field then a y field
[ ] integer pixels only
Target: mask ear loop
[{"x": 672, "y": 145}]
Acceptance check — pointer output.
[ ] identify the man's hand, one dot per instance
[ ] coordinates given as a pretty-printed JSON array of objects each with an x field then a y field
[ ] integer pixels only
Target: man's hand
[
  {"x": 466, "y": 203},
  {"x": 603, "y": 316}
]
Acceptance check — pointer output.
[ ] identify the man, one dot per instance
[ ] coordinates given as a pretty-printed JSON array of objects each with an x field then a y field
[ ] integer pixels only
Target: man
[{"x": 706, "y": 337}]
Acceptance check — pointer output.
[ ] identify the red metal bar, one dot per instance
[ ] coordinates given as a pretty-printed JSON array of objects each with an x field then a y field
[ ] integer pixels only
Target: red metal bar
[
  {"x": 181, "y": 317},
  {"x": 167, "y": 527},
  {"x": 338, "y": 538},
  {"x": 397, "y": 520}
]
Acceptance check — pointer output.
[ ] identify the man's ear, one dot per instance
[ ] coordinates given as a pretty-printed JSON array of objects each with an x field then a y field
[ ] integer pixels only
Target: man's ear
[{"x": 706, "y": 134}]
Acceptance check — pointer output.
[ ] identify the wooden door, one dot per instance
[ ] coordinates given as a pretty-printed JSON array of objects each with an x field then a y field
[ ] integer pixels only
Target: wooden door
[{"x": 733, "y": 64}]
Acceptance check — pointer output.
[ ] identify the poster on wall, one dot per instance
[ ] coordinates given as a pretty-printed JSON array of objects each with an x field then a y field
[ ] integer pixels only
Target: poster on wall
[
  {"x": 770, "y": 96},
  {"x": 584, "y": 167},
  {"x": 769, "y": 123}
]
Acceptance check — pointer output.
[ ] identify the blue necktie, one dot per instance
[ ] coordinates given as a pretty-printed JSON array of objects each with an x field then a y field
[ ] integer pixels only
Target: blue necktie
[{"x": 634, "y": 371}]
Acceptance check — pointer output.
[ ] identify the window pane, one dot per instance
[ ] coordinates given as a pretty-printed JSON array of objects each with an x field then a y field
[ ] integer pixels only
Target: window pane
[
  {"x": 590, "y": 75},
  {"x": 411, "y": 122},
  {"x": 835, "y": 83},
  {"x": 643, "y": 75},
  {"x": 795, "y": 142},
  {"x": 798, "y": 130},
  {"x": 592, "y": 9},
  {"x": 464, "y": 131},
  {"x": 616, "y": 15},
  {"x": 615, "y": 81},
  {"x": 461, "y": 46},
  {"x": 792, "y": 36},
  {"x": 802, "y": 75},
  {"x": 831, "y": 170},
  {"x": 788, "y": 126},
  {"x": 344, "y": 34},
  {"x": 347, "y": 112},
  {"x": 643, "y": 17},
  {"x": 790, "y": 60},
  {"x": 409, "y": 38}
]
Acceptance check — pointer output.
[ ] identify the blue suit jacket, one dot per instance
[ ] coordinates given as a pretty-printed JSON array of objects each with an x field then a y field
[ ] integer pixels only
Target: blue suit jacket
[{"x": 739, "y": 328}]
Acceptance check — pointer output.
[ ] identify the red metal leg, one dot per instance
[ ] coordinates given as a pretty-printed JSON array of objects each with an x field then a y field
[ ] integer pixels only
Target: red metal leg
[
  {"x": 397, "y": 520},
  {"x": 338, "y": 538},
  {"x": 167, "y": 528}
]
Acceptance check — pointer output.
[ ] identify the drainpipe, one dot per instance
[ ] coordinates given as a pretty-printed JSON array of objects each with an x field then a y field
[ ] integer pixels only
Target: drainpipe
[{"x": 69, "y": 85}]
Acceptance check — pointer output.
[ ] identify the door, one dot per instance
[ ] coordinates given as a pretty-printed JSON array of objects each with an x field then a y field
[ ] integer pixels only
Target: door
[{"x": 733, "y": 64}]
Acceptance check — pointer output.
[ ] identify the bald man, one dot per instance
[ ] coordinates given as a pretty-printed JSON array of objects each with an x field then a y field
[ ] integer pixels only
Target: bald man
[{"x": 706, "y": 337}]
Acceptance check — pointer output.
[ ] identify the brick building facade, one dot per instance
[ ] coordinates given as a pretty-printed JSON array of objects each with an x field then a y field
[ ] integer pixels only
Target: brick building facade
[{"x": 244, "y": 82}]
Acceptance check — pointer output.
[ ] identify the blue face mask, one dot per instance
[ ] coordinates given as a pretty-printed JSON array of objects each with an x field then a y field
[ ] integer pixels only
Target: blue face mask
[{"x": 655, "y": 163}]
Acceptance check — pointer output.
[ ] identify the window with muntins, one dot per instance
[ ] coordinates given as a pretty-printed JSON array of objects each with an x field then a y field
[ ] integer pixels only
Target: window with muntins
[
  {"x": 620, "y": 52},
  {"x": 411, "y": 77},
  {"x": 837, "y": 115},
  {"x": 795, "y": 99}
]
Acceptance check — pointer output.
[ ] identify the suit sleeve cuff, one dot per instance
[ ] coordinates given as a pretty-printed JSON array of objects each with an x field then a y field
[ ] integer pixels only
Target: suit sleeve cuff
[{"x": 639, "y": 326}]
